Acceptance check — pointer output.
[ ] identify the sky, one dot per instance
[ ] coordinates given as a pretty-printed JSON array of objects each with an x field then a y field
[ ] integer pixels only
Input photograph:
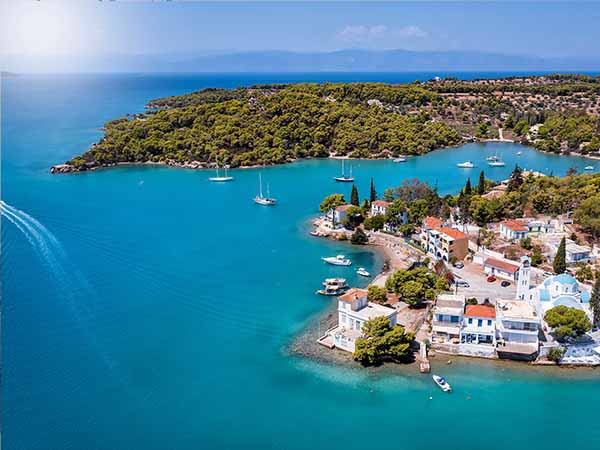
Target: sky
[{"x": 39, "y": 29}]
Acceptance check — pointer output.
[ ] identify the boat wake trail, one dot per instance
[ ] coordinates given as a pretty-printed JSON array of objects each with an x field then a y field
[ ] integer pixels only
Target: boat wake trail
[{"x": 72, "y": 284}]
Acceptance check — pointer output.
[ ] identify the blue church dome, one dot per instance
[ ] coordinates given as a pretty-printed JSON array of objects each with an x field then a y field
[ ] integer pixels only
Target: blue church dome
[{"x": 564, "y": 278}]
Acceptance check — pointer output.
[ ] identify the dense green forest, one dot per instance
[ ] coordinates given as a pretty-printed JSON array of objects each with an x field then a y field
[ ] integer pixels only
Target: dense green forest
[{"x": 273, "y": 124}]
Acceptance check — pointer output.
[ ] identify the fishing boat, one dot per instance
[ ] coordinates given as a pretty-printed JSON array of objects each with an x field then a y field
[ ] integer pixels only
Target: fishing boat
[
  {"x": 219, "y": 178},
  {"x": 466, "y": 165},
  {"x": 344, "y": 178},
  {"x": 589, "y": 167},
  {"x": 400, "y": 159},
  {"x": 333, "y": 286},
  {"x": 363, "y": 272},
  {"x": 339, "y": 260},
  {"x": 268, "y": 200},
  {"x": 442, "y": 383}
]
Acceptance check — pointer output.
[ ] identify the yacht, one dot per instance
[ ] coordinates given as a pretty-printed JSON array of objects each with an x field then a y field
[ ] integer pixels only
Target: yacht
[
  {"x": 333, "y": 286},
  {"x": 343, "y": 178},
  {"x": 268, "y": 200},
  {"x": 589, "y": 167},
  {"x": 219, "y": 178},
  {"x": 492, "y": 158},
  {"x": 363, "y": 272},
  {"x": 442, "y": 383},
  {"x": 400, "y": 159},
  {"x": 466, "y": 165},
  {"x": 339, "y": 260}
]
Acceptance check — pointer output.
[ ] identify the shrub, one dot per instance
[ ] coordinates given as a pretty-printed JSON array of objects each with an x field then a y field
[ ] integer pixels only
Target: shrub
[{"x": 556, "y": 353}]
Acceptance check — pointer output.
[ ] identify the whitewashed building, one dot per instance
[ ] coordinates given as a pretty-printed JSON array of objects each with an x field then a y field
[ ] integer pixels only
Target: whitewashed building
[
  {"x": 447, "y": 318},
  {"x": 517, "y": 328}
]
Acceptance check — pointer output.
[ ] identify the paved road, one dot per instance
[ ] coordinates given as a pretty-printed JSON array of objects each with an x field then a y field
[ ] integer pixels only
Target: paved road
[{"x": 479, "y": 287}]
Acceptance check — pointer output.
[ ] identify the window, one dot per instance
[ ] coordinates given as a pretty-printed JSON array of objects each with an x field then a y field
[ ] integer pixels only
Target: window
[
  {"x": 454, "y": 319},
  {"x": 479, "y": 322},
  {"x": 489, "y": 322},
  {"x": 470, "y": 321}
]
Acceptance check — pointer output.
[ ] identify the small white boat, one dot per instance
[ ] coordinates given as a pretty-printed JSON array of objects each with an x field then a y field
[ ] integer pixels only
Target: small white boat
[
  {"x": 343, "y": 178},
  {"x": 589, "y": 167},
  {"x": 442, "y": 383},
  {"x": 466, "y": 165},
  {"x": 333, "y": 286},
  {"x": 314, "y": 233},
  {"x": 268, "y": 200},
  {"x": 363, "y": 272},
  {"x": 496, "y": 164},
  {"x": 492, "y": 158},
  {"x": 219, "y": 178},
  {"x": 400, "y": 159},
  {"x": 339, "y": 260},
  {"x": 519, "y": 153}
]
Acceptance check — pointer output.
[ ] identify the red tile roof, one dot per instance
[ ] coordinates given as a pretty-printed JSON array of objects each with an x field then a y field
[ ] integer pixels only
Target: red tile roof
[
  {"x": 343, "y": 207},
  {"x": 432, "y": 222},
  {"x": 381, "y": 203},
  {"x": 502, "y": 265},
  {"x": 352, "y": 295},
  {"x": 514, "y": 225},
  {"x": 487, "y": 311},
  {"x": 453, "y": 232}
]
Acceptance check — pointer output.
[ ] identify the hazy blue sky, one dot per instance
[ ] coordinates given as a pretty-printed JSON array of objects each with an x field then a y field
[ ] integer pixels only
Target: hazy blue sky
[{"x": 88, "y": 27}]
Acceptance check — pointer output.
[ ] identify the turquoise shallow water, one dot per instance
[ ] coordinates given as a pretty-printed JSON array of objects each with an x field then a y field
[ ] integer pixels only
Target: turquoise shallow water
[{"x": 148, "y": 308}]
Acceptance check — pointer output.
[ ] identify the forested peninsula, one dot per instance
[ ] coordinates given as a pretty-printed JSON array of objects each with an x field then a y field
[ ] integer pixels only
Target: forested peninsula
[{"x": 273, "y": 124}]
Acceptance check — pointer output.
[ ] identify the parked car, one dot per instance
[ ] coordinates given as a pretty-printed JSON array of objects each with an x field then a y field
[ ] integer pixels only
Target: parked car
[
  {"x": 505, "y": 283},
  {"x": 462, "y": 283},
  {"x": 459, "y": 265},
  {"x": 491, "y": 279}
]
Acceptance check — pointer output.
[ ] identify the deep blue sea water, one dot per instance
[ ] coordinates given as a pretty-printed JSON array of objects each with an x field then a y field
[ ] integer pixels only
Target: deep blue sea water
[{"x": 148, "y": 308}]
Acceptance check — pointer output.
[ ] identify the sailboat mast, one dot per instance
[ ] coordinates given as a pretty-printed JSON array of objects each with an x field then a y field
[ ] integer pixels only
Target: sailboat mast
[
  {"x": 343, "y": 171},
  {"x": 260, "y": 185}
]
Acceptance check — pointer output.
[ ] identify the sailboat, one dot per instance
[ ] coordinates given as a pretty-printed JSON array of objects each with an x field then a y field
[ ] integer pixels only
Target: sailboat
[
  {"x": 344, "y": 178},
  {"x": 497, "y": 162},
  {"x": 219, "y": 178},
  {"x": 267, "y": 201}
]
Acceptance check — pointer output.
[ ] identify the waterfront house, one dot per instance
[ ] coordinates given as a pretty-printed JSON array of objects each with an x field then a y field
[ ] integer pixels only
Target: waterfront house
[
  {"x": 517, "y": 327},
  {"x": 447, "y": 317},
  {"x": 513, "y": 230},
  {"x": 337, "y": 215},
  {"x": 443, "y": 242},
  {"x": 353, "y": 311},
  {"x": 500, "y": 268},
  {"x": 479, "y": 325},
  {"x": 380, "y": 207}
]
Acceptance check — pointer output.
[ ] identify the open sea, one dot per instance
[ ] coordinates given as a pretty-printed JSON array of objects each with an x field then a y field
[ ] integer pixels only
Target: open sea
[{"x": 147, "y": 308}]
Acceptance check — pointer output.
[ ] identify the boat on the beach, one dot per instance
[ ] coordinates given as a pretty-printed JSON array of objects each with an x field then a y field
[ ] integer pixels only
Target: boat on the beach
[
  {"x": 589, "y": 167},
  {"x": 466, "y": 165},
  {"x": 400, "y": 159},
  {"x": 268, "y": 200},
  {"x": 442, "y": 383},
  {"x": 339, "y": 260},
  {"x": 219, "y": 178},
  {"x": 343, "y": 178},
  {"x": 333, "y": 286},
  {"x": 363, "y": 272}
]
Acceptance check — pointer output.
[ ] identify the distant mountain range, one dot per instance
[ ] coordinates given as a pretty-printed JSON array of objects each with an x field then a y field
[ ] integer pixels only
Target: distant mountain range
[{"x": 286, "y": 61}]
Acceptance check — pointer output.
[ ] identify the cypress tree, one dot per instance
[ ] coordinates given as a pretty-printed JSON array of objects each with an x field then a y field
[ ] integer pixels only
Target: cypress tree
[
  {"x": 373, "y": 193},
  {"x": 595, "y": 300},
  {"x": 516, "y": 179},
  {"x": 481, "y": 186},
  {"x": 468, "y": 190},
  {"x": 354, "y": 196},
  {"x": 560, "y": 260}
]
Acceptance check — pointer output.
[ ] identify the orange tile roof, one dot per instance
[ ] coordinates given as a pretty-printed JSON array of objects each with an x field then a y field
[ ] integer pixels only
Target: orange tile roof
[
  {"x": 432, "y": 222},
  {"x": 480, "y": 311},
  {"x": 503, "y": 265},
  {"x": 381, "y": 203},
  {"x": 514, "y": 225},
  {"x": 453, "y": 232},
  {"x": 343, "y": 207},
  {"x": 352, "y": 295}
]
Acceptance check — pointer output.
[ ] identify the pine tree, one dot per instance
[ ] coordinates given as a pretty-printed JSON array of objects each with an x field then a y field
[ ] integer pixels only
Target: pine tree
[
  {"x": 560, "y": 260},
  {"x": 468, "y": 190},
  {"x": 354, "y": 196},
  {"x": 481, "y": 186},
  {"x": 595, "y": 301},
  {"x": 373, "y": 193}
]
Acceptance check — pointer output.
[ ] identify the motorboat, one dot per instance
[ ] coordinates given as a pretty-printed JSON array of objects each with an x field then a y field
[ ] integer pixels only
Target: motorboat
[
  {"x": 363, "y": 272},
  {"x": 466, "y": 165},
  {"x": 492, "y": 158},
  {"x": 333, "y": 286},
  {"x": 519, "y": 153},
  {"x": 339, "y": 260},
  {"x": 442, "y": 383},
  {"x": 589, "y": 167},
  {"x": 343, "y": 178},
  {"x": 268, "y": 200},
  {"x": 400, "y": 159}
]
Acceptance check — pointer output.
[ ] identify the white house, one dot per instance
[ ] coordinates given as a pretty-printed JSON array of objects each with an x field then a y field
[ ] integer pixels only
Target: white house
[
  {"x": 353, "y": 311},
  {"x": 380, "y": 207},
  {"x": 513, "y": 230},
  {"x": 337, "y": 215},
  {"x": 517, "y": 328},
  {"x": 447, "y": 317},
  {"x": 500, "y": 269},
  {"x": 478, "y": 331}
]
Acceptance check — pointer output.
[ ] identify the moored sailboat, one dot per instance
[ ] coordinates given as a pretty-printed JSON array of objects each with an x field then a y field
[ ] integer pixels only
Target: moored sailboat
[
  {"x": 219, "y": 178},
  {"x": 344, "y": 178},
  {"x": 268, "y": 200}
]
